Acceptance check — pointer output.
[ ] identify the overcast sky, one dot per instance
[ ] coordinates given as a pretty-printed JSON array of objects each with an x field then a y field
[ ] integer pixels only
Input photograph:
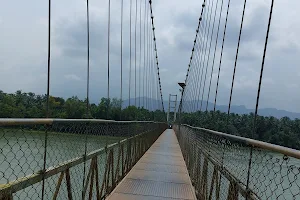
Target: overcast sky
[{"x": 23, "y": 48}]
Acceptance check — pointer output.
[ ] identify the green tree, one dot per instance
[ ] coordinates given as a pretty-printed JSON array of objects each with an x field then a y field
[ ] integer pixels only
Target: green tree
[{"x": 74, "y": 108}]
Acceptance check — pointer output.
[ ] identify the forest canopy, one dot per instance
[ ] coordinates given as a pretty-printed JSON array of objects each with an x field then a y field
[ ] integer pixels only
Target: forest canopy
[
  {"x": 284, "y": 131},
  {"x": 30, "y": 105}
]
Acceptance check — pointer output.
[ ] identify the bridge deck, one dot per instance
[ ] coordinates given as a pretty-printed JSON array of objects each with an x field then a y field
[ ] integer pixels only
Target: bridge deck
[{"x": 160, "y": 174}]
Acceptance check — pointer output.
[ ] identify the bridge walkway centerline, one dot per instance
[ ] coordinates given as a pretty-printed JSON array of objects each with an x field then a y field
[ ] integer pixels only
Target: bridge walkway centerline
[{"x": 161, "y": 174}]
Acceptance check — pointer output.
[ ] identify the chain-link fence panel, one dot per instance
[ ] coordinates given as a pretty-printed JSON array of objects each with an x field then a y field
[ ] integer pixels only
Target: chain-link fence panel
[
  {"x": 69, "y": 159},
  {"x": 223, "y": 166}
]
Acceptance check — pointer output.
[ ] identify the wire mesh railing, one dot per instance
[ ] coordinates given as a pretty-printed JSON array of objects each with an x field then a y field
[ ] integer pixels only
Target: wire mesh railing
[
  {"x": 223, "y": 166},
  {"x": 69, "y": 159}
]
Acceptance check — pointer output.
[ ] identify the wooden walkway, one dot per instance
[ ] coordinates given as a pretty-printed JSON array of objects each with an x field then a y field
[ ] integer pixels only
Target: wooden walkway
[{"x": 161, "y": 174}]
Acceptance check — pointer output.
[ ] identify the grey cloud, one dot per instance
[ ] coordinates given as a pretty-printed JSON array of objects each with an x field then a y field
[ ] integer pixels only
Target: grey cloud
[
  {"x": 249, "y": 60},
  {"x": 175, "y": 23}
]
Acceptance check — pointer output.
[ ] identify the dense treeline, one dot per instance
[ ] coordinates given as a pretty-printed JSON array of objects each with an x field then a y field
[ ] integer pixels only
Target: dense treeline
[
  {"x": 284, "y": 131},
  {"x": 30, "y": 105}
]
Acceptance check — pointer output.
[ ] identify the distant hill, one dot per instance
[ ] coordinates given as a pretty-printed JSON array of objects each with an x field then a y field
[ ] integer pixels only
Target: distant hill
[
  {"x": 238, "y": 109},
  {"x": 152, "y": 103}
]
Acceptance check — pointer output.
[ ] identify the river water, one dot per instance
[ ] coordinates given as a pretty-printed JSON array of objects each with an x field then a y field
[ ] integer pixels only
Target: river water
[
  {"x": 273, "y": 176},
  {"x": 22, "y": 154}
]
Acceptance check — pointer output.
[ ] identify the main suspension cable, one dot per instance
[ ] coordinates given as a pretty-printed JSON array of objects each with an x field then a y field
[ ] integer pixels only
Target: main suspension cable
[{"x": 156, "y": 54}]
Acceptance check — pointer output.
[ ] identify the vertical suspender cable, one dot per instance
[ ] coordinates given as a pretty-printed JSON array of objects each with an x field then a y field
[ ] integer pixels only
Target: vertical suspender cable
[
  {"x": 222, "y": 48},
  {"x": 211, "y": 39},
  {"x": 157, "y": 96},
  {"x": 88, "y": 59},
  {"x": 130, "y": 52},
  {"x": 184, "y": 96},
  {"x": 108, "y": 58},
  {"x": 202, "y": 42},
  {"x": 146, "y": 56},
  {"x": 149, "y": 72},
  {"x": 153, "y": 79},
  {"x": 140, "y": 55},
  {"x": 87, "y": 90},
  {"x": 194, "y": 65},
  {"x": 258, "y": 91},
  {"x": 49, "y": 60},
  {"x": 150, "y": 67},
  {"x": 196, "y": 56},
  {"x": 193, "y": 76},
  {"x": 135, "y": 53},
  {"x": 262, "y": 65},
  {"x": 144, "y": 66},
  {"x": 213, "y": 63},
  {"x": 147, "y": 60},
  {"x": 151, "y": 76},
  {"x": 204, "y": 54},
  {"x": 235, "y": 62},
  {"x": 121, "y": 95},
  {"x": 48, "y": 93},
  {"x": 199, "y": 53},
  {"x": 153, "y": 90}
]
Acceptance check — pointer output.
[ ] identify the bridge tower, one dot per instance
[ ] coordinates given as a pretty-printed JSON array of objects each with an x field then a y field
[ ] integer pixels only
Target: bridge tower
[{"x": 172, "y": 107}]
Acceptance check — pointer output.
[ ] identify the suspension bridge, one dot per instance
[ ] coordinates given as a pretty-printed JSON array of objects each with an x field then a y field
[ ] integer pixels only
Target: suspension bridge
[{"x": 131, "y": 152}]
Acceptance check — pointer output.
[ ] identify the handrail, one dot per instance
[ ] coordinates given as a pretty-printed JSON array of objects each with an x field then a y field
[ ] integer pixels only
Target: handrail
[
  {"x": 256, "y": 143},
  {"x": 31, "y": 179},
  {"x": 49, "y": 121},
  {"x": 17, "y": 121},
  {"x": 122, "y": 154}
]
